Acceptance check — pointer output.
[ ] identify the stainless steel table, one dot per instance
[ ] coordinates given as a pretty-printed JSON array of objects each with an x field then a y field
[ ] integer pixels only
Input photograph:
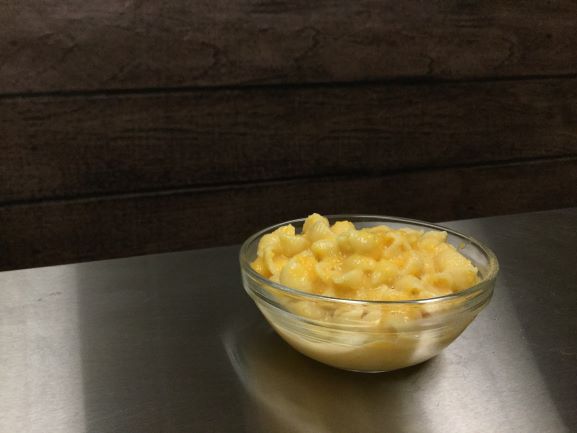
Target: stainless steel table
[{"x": 170, "y": 343}]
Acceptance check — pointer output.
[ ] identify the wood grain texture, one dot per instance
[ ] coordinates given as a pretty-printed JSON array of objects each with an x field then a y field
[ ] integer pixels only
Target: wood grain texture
[
  {"x": 65, "y": 45},
  {"x": 70, "y": 231},
  {"x": 69, "y": 147}
]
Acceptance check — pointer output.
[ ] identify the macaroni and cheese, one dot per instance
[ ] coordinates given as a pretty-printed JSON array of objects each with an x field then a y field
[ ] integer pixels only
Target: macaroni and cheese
[{"x": 374, "y": 263}]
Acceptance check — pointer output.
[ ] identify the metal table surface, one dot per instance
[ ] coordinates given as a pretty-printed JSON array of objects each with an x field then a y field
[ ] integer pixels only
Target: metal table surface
[{"x": 170, "y": 343}]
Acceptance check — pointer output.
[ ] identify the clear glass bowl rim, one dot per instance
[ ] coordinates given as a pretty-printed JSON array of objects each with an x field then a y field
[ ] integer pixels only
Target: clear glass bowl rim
[{"x": 479, "y": 288}]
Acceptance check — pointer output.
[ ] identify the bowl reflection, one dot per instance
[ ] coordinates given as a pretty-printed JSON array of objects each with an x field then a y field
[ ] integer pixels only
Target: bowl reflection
[{"x": 291, "y": 393}]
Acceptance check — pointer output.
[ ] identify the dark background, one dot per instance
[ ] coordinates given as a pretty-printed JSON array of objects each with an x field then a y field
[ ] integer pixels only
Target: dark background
[{"x": 133, "y": 127}]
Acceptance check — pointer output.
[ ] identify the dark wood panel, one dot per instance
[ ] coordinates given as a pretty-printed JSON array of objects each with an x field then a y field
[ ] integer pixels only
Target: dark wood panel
[
  {"x": 62, "y": 147},
  {"x": 59, "y": 232},
  {"x": 69, "y": 45}
]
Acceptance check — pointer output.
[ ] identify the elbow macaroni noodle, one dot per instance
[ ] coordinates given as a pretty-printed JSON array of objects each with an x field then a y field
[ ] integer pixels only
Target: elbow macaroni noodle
[{"x": 376, "y": 263}]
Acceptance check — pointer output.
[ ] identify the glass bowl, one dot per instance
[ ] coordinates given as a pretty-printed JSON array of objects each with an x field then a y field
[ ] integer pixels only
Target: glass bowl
[{"x": 370, "y": 336}]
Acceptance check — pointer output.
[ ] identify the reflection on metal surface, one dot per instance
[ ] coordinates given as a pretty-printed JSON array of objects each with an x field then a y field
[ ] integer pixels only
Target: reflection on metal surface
[
  {"x": 290, "y": 392},
  {"x": 462, "y": 390},
  {"x": 41, "y": 387}
]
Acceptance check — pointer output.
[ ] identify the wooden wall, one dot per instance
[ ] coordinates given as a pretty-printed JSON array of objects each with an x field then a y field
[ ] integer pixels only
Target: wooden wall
[{"x": 146, "y": 126}]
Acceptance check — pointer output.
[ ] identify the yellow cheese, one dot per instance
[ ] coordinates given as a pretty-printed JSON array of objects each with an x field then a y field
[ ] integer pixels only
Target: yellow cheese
[{"x": 377, "y": 263}]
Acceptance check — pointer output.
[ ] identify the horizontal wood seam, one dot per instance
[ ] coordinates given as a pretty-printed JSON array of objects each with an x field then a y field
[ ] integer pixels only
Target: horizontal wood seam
[
  {"x": 402, "y": 81},
  {"x": 208, "y": 188}
]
